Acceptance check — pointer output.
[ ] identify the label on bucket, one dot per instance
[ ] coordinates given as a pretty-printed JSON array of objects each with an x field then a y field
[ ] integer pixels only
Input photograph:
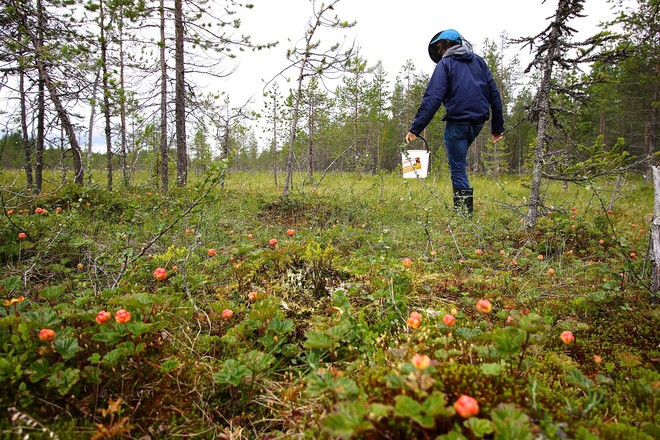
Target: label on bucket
[
  {"x": 415, "y": 163},
  {"x": 412, "y": 164}
]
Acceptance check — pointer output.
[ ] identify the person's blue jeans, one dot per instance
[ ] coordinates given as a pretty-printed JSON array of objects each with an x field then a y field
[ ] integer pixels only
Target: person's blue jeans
[{"x": 458, "y": 137}]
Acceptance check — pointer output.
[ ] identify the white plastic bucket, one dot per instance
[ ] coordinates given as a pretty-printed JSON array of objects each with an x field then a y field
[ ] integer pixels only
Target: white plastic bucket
[{"x": 415, "y": 163}]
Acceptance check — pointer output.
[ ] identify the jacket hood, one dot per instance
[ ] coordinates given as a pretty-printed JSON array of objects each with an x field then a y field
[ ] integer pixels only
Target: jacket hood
[
  {"x": 462, "y": 48},
  {"x": 462, "y": 51}
]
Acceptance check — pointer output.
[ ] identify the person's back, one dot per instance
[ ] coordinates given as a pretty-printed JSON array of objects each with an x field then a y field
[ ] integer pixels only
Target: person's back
[{"x": 468, "y": 97}]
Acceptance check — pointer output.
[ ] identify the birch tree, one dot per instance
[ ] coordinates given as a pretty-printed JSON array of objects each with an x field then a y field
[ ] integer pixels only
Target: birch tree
[{"x": 311, "y": 59}]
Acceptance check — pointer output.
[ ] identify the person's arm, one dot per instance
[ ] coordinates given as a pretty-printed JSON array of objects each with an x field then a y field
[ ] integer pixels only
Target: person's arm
[{"x": 431, "y": 102}]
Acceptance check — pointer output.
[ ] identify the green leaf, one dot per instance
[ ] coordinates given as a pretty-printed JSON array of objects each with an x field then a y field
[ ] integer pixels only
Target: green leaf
[
  {"x": 348, "y": 420},
  {"x": 575, "y": 377},
  {"x": 44, "y": 318},
  {"x": 92, "y": 374},
  {"x": 479, "y": 427},
  {"x": 114, "y": 356},
  {"x": 319, "y": 339},
  {"x": 38, "y": 370},
  {"x": 258, "y": 361},
  {"x": 136, "y": 300},
  {"x": 491, "y": 369},
  {"x": 320, "y": 382},
  {"x": 64, "y": 380},
  {"x": 108, "y": 335},
  {"x": 53, "y": 293},
  {"x": 95, "y": 358},
  {"x": 67, "y": 347},
  {"x": 453, "y": 435},
  {"x": 408, "y": 407},
  {"x": 467, "y": 333},
  {"x": 508, "y": 341},
  {"x": 378, "y": 410},
  {"x": 10, "y": 284},
  {"x": 281, "y": 326},
  {"x": 436, "y": 405},
  {"x": 231, "y": 372},
  {"x": 169, "y": 364},
  {"x": 532, "y": 323},
  {"x": 510, "y": 423},
  {"x": 138, "y": 328}
]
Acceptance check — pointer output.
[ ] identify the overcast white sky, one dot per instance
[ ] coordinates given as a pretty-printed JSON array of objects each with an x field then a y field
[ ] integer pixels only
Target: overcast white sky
[{"x": 391, "y": 31}]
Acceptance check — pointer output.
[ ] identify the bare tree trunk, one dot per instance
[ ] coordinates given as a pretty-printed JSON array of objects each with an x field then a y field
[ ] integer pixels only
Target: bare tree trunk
[
  {"x": 164, "y": 178},
  {"x": 41, "y": 114},
  {"x": 274, "y": 150},
  {"x": 123, "y": 157},
  {"x": 225, "y": 140},
  {"x": 654, "y": 252},
  {"x": 310, "y": 146},
  {"x": 355, "y": 125},
  {"x": 294, "y": 125},
  {"x": 106, "y": 94},
  {"x": 25, "y": 136},
  {"x": 90, "y": 131},
  {"x": 543, "y": 125},
  {"x": 62, "y": 156},
  {"x": 39, "y": 142},
  {"x": 180, "y": 99},
  {"x": 653, "y": 122}
]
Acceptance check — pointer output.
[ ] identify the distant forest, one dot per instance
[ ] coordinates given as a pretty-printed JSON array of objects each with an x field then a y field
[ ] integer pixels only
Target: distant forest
[{"x": 58, "y": 57}]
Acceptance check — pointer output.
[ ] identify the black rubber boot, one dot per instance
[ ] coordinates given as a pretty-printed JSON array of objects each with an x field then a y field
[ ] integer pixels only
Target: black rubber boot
[{"x": 464, "y": 201}]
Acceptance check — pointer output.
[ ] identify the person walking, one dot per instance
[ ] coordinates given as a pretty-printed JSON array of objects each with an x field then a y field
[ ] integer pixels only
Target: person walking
[{"x": 462, "y": 82}]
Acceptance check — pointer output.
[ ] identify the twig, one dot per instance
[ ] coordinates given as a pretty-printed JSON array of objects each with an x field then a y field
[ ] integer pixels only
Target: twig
[{"x": 352, "y": 147}]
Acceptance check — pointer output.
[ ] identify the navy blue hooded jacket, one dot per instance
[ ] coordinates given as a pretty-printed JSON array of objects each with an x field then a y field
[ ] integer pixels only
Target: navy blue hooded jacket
[{"x": 463, "y": 83}]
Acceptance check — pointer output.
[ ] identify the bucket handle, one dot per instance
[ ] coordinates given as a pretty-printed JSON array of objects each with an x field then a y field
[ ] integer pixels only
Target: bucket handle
[{"x": 426, "y": 144}]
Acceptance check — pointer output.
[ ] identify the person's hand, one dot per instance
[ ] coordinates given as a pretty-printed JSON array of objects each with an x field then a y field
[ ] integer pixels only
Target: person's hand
[
  {"x": 497, "y": 137},
  {"x": 410, "y": 137}
]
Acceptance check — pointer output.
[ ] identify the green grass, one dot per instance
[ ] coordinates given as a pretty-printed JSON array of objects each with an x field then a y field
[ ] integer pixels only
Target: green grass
[{"x": 317, "y": 345}]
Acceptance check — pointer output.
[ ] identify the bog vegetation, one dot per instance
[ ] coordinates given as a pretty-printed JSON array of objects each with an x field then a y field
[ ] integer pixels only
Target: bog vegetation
[
  {"x": 364, "y": 309},
  {"x": 201, "y": 278}
]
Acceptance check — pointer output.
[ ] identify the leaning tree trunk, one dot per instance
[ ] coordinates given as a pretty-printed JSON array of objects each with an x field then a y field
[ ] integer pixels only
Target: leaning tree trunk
[
  {"x": 50, "y": 85},
  {"x": 654, "y": 252}
]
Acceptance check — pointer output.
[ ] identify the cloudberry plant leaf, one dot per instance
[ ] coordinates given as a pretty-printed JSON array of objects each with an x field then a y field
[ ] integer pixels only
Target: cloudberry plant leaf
[
  {"x": 348, "y": 419},
  {"x": 232, "y": 372},
  {"x": 67, "y": 347}
]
